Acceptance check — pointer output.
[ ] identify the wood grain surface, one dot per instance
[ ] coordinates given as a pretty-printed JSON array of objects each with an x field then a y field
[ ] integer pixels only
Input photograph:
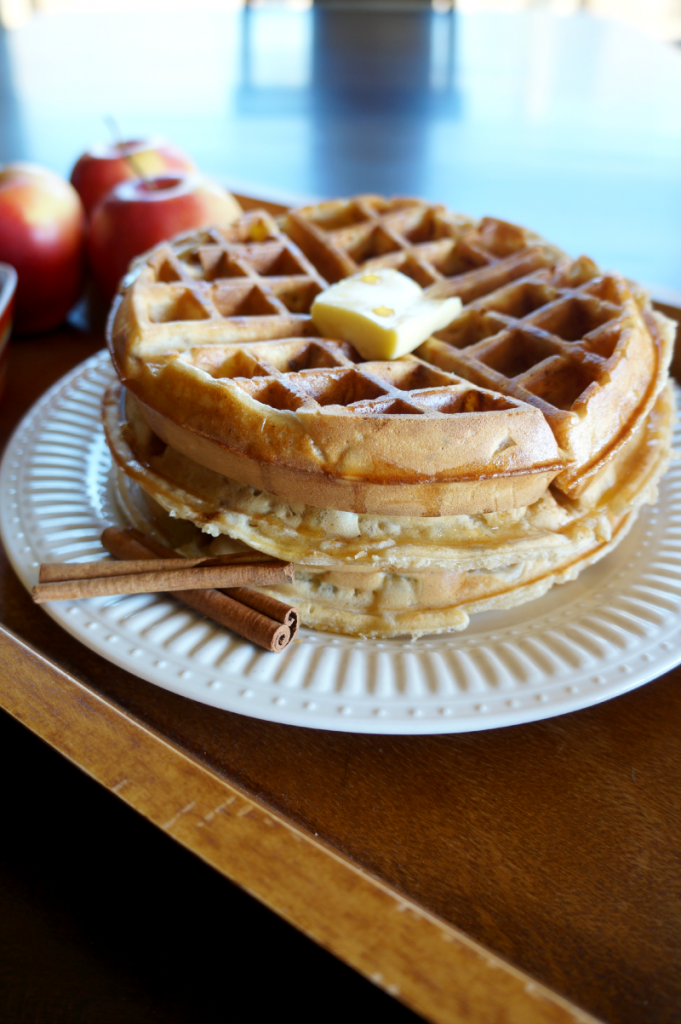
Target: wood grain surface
[
  {"x": 428, "y": 964},
  {"x": 556, "y": 845}
]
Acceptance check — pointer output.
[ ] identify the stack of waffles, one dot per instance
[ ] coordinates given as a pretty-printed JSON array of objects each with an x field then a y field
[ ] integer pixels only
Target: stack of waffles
[{"x": 506, "y": 454}]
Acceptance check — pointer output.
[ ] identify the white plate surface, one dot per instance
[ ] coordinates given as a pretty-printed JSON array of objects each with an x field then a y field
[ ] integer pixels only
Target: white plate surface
[{"x": 616, "y": 627}]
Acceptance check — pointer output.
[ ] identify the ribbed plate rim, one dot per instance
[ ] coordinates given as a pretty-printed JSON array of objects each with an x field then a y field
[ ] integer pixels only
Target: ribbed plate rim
[{"x": 311, "y": 684}]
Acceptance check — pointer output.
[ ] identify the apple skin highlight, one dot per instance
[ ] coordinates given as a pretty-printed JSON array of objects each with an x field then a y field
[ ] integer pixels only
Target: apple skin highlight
[
  {"x": 136, "y": 215},
  {"x": 42, "y": 235},
  {"x": 103, "y": 166}
]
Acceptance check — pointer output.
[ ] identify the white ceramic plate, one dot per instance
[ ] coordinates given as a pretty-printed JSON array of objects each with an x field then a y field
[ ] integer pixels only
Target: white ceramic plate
[{"x": 616, "y": 627}]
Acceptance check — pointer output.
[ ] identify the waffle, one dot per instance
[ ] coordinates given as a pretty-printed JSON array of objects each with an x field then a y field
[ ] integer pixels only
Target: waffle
[
  {"x": 304, "y": 417},
  {"x": 244, "y": 283},
  {"x": 549, "y": 371},
  {"x": 382, "y": 576},
  {"x": 314, "y": 537},
  {"x": 384, "y": 604},
  {"x": 574, "y": 343},
  {"x": 424, "y": 241},
  {"x": 560, "y": 335}
]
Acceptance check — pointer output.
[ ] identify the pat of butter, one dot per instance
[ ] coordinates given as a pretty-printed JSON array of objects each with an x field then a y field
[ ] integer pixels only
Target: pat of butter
[{"x": 383, "y": 313}]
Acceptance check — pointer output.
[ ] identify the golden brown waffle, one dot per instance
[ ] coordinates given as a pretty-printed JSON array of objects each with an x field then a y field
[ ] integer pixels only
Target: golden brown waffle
[
  {"x": 377, "y": 575},
  {"x": 562, "y": 363},
  {"x": 574, "y": 343},
  {"x": 557, "y": 334},
  {"x": 302, "y": 415},
  {"x": 243, "y": 283},
  {"x": 424, "y": 241}
]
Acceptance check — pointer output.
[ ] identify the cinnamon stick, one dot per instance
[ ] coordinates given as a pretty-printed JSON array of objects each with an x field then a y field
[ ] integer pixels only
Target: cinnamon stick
[
  {"x": 270, "y": 606},
  {"x": 271, "y": 632},
  {"x": 203, "y": 578},
  {"x": 58, "y": 572}
]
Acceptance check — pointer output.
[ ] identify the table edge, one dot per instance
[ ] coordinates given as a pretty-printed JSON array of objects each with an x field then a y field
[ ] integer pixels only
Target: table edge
[{"x": 434, "y": 968}]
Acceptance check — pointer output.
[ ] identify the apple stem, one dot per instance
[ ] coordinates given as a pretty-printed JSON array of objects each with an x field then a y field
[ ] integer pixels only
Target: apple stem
[{"x": 112, "y": 124}]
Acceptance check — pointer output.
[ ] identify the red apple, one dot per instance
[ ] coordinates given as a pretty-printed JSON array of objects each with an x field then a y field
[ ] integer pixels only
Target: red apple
[
  {"x": 42, "y": 235},
  {"x": 106, "y": 164},
  {"x": 137, "y": 215}
]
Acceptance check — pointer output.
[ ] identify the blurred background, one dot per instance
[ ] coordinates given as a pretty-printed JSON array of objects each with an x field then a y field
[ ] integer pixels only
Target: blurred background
[{"x": 563, "y": 115}]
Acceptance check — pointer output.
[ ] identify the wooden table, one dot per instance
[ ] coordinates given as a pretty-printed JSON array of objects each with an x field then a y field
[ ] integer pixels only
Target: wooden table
[
  {"x": 475, "y": 877},
  {"x": 522, "y": 875}
]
